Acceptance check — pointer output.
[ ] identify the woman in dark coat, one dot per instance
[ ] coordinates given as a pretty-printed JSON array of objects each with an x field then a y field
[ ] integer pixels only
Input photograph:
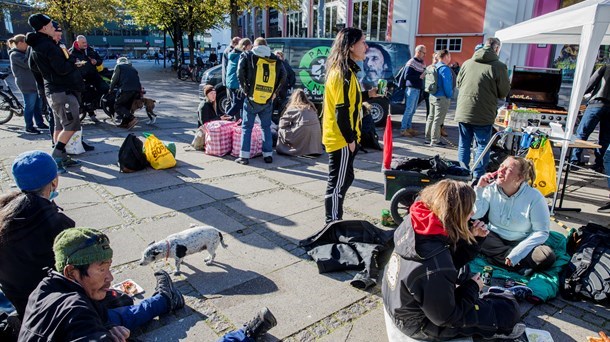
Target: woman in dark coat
[
  {"x": 207, "y": 107},
  {"x": 423, "y": 295}
]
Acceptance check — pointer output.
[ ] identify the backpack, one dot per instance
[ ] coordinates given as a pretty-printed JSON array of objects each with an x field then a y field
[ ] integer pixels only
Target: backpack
[
  {"x": 587, "y": 275},
  {"x": 131, "y": 156},
  {"x": 264, "y": 79},
  {"x": 368, "y": 133},
  {"x": 431, "y": 79}
]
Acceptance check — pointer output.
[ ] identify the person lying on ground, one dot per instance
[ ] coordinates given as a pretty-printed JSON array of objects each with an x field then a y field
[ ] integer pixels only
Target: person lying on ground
[{"x": 67, "y": 305}]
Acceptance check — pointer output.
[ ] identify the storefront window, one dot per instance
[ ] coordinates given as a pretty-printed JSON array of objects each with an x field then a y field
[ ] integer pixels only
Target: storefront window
[{"x": 451, "y": 44}]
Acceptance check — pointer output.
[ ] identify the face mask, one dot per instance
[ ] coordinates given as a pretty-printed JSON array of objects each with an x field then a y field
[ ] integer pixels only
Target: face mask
[{"x": 53, "y": 195}]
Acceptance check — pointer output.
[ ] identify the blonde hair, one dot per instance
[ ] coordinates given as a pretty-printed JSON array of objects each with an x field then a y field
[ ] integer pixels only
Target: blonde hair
[
  {"x": 243, "y": 44},
  {"x": 452, "y": 202},
  {"x": 12, "y": 42},
  {"x": 260, "y": 41},
  {"x": 526, "y": 169},
  {"x": 299, "y": 100}
]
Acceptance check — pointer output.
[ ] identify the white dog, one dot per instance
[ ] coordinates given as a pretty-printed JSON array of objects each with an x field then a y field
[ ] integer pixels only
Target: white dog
[{"x": 179, "y": 245}]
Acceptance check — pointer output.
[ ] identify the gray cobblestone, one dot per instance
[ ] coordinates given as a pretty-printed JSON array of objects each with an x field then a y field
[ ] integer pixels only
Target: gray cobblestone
[
  {"x": 320, "y": 329},
  {"x": 595, "y": 319},
  {"x": 305, "y": 336},
  {"x": 332, "y": 322}
]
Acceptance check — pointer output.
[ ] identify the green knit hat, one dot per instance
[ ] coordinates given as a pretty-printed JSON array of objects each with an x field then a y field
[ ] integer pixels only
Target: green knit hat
[{"x": 80, "y": 246}]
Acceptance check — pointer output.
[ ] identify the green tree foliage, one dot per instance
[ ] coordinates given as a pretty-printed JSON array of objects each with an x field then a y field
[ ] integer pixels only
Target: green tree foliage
[{"x": 79, "y": 16}]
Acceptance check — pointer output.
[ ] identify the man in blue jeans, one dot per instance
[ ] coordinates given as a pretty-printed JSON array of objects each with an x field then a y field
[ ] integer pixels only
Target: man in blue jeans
[
  {"x": 261, "y": 76},
  {"x": 598, "y": 111},
  {"x": 414, "y": 83},
  {"x": 66, "y": 305},
  {"x": 482, "y": 80},
  {"x": 605, "y": 209}
]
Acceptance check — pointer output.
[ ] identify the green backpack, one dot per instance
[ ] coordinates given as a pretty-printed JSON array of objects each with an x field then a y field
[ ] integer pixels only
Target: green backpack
[{"x": 431, "y": 79}]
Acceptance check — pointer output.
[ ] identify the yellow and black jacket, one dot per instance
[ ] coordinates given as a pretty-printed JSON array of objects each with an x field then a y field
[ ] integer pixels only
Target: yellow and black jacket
[{"x": 341, "y": 109}]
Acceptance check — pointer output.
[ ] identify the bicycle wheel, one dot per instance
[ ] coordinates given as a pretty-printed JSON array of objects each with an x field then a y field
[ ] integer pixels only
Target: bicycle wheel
[{"x": 6, "y": 112}]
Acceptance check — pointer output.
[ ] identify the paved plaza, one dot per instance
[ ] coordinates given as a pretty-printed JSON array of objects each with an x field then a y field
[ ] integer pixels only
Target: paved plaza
[{"x": 263, "y": 211}]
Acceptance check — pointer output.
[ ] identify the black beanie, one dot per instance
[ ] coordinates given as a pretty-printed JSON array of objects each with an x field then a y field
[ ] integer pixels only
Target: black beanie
[{"x": 38, "y": 21}]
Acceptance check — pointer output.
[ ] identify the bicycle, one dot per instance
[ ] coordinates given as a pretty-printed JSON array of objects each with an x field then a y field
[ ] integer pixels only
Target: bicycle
[
  {"x": 9, "y": 104},
  {"x": 185, "y": 71}
]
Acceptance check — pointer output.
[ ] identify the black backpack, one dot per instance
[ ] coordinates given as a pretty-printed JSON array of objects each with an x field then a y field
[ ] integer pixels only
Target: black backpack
[
  {"x": 368, "y": 133},
  {"x": 131, "y": 156},
  {"x": 587, "y": 275}
]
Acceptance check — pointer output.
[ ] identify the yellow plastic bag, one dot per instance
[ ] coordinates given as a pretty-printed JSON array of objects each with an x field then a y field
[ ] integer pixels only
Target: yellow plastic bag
[
  {"x": 157, "y": 154},
  {"x": 544, "y": 165}
]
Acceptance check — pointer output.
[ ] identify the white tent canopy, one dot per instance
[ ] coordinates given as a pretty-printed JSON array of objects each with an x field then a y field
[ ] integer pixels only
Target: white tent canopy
[{"x": 585, "y": 24}]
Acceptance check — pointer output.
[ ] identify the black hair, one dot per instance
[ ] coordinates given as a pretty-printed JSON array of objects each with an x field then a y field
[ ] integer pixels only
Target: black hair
[
  {"x": 82, "y": 269},
  {"x": 339, "y": 52}
]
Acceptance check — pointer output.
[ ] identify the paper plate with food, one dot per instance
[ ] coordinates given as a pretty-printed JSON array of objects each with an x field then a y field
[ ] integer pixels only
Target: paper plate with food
[{"x": 129, "y": 287}]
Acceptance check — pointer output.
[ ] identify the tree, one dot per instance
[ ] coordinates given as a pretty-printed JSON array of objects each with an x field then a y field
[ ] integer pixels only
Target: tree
[
  {"x": 236, "y": 7},
  {"x": 79, "y": 16}
]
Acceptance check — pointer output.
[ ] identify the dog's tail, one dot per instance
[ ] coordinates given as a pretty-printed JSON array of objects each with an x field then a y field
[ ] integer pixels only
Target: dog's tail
[{"x": 222, "y": 240}]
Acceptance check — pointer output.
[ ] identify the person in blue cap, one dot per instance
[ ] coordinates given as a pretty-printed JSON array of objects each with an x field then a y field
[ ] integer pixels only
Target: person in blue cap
[{"x": 29, "y": 221}]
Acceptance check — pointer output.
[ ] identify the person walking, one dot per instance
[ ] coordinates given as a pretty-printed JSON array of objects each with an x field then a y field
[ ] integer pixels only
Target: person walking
[
  {"x": 597, "y": 112},
  {"x": 482, "y": 80},
  {"x": 439, "y": 101},
  {"x": 127, "y": 82},
  {"x": 261, "y": 75},
  {"x": 414, "y": 84},
  {"x": 341, "y": 117},
  {"x": 25, "y": 81}
]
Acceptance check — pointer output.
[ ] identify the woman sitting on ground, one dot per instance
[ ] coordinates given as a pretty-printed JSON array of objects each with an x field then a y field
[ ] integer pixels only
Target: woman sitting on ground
[
  {"x": 207, "y": 108},
  {"x": 519, "y": 218},
  {"x": 299, "y": 130},
  {"x": 423, "y": 294}
]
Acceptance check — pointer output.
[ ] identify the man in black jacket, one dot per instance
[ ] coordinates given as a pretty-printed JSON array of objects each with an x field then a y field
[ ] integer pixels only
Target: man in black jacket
[
  {"x": 261, "y": 75},
  {"x": 83, "y": 52},
  {"x": 126, "y": 80},
  {"x": 29, "y": 222},
  {"x": 66, "y": 305},
  {"x": 62, "y": 81}
]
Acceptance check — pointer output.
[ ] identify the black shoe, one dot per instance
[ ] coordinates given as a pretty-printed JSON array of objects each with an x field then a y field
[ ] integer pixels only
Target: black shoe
[
  {"x": 67, "y": 162},
  {"x": 260, "y": 324},
  {"x": 94, "y": 119},
  {"x": 438, "y": 144},
  {"x": 598, "y": 168},
  {"x": 268, "y": 159},
  {"x": 32, "y": 131},
  {"x": 165, "y": 287},
  {"x": 87, "y": 147},
  {"x": 604, "y": 209},
  {"x": 576, "y": 166},
  {"x": 42, "y": 126},
  {"x": 242, "y": 161}
]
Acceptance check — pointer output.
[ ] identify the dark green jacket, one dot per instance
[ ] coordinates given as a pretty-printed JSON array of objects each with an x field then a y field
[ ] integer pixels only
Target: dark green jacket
[{"x": 482, "y": 80}]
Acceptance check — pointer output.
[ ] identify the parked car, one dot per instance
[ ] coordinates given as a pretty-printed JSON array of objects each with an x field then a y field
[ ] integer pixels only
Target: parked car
[{"x": 307, "y": 57}]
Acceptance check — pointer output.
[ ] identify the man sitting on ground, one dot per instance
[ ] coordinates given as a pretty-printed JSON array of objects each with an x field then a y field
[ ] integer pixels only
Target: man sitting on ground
[{"x": 66, "y": 304}]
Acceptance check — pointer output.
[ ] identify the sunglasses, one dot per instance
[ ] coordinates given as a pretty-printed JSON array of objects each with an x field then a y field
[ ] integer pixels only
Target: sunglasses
[{"x": 91, "y": 241}]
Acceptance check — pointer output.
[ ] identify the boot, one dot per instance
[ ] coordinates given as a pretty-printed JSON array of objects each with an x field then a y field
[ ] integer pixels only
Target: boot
[
  {"x": 165, "y": 287},
  {"x": 260, "y": 324},
  {"x": 444, "y": 132}
]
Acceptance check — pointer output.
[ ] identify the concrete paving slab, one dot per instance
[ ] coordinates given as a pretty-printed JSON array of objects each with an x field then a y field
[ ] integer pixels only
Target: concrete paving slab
[
  {"x": 126, "y": 245},
  {"x": 370, "y": 204},
  {"x": 296, "y": 175},
  {"x": 68, "y": 180},
  {"x": 155, "y": 203},
  {"x": 289, "y": 294},
  {"x": 218, "y": 168},
  {"x": 124, "y": 186},
  {"x": 75, "y": 198},
  {"x": 246, "y": 257},
  {"x": 306, "y": 223},
  {"x": 273, "y": 205},
  {"x": 100, "y": 158},
  {"x": 362, "y": 329},
  {"x": 159, "y": 229},
  {"x": 95, "y": 216},
  {"x": 234, "y": 186},
  {"x": 191, "y": 328}
]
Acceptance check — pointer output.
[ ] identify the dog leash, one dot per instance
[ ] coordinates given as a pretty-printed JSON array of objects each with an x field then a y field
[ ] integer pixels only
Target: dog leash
[{"x": 167, "y": 253}]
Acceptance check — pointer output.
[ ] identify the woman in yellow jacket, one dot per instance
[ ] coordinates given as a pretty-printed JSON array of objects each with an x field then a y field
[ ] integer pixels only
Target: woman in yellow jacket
[{"x": 341, "y": 116}]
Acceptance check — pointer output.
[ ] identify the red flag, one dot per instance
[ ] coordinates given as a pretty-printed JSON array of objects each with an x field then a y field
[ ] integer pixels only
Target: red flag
[{"x": 387, "y": 144}]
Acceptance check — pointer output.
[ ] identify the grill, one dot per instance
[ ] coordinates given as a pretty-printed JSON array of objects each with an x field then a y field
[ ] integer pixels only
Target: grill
[{"x": 538, "y": 89}]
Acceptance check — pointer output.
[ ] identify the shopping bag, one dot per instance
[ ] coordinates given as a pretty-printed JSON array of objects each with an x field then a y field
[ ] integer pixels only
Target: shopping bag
[
  {"x": 218, "y": 137},
  {"x": 75, "y": 144},
  {"x": 256, "y": 141},
  {"x": 198, "y": 142},
  {"x": 157, "y": 154},
  {"x": 544, "y": 165}
]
